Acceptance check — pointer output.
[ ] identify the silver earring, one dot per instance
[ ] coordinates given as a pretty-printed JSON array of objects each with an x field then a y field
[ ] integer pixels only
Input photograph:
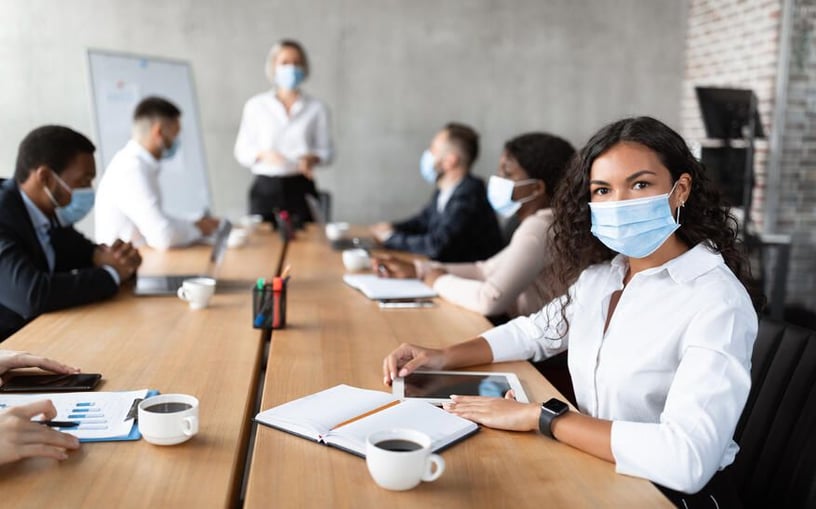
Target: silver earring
[{"x": 682, "y": 204}]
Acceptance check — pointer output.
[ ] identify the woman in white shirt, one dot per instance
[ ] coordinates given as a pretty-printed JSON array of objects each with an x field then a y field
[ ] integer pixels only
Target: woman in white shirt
[
  {"x": 284, "y": 135},
  {"x": 514, "y": 281},
  {"x": 654, "y": 311}
]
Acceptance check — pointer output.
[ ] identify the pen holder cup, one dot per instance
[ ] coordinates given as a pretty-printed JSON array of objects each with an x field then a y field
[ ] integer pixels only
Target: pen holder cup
[{"x": 269, "y": 305}]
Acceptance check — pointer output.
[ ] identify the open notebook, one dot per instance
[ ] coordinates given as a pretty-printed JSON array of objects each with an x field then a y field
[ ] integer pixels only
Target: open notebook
[
  {"x": 344, "y": 416},
  {"x": 379, "y": 288}
]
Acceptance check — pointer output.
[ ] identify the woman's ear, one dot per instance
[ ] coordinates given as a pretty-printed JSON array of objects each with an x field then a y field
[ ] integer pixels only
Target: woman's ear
[{"x": 683, "y": 188}]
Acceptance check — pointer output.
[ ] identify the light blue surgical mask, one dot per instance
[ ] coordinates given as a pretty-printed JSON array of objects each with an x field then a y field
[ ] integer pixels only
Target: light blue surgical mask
[
  {"x": 289, "y": 76},
  {"x": 82, "y": 201},
  {"x": 170, "y": 151},
  {"x": 427, "y": 167},
  {"x": 635, "y": 228},
  {"x": 500, "y": 195}
]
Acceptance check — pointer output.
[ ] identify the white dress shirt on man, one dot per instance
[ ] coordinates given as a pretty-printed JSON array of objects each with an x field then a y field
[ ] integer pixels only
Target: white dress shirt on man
[
  {"x": 129, "y": 205},
  {"x": 265, "y": 125},
  {"x": 672, "y": 371}
]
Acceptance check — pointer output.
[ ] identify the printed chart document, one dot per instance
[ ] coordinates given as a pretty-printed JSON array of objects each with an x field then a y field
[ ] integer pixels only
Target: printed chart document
[
  {"x": 379, "y": 288},
  {"x": 101, "y": 416},
  {"x": 344, "y": 416}
]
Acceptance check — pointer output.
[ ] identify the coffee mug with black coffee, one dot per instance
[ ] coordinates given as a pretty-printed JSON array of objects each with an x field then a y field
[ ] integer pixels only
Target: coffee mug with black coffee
[
  {"x": 168, "y": 419},
  {"x": 399, "y": 459}
]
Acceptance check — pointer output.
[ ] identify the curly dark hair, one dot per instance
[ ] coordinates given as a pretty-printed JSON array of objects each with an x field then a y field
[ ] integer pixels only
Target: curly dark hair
[
  {"x": 542, "y": 156},
  {"x": 706, "y": 218}
]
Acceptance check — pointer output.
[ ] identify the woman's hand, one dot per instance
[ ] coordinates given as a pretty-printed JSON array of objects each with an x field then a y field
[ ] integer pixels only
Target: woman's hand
[
  {"x": 500, "y": 413},
  {"x": 271, "y": 157},
  {"x": 388, "y": 266},
  {"x": 306, "y": 165},
  {"x": 407, "y": 358},
  {"x": 10, "y": 359},
  {"x": 20, "y": 437}
]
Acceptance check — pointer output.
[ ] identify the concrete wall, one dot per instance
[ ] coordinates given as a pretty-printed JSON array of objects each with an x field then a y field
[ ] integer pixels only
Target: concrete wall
[{"x": 392, "y": 71}]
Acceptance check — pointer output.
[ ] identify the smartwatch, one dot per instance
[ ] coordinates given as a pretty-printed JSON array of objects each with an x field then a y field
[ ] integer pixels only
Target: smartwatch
[{"x": 549, "y": 411}]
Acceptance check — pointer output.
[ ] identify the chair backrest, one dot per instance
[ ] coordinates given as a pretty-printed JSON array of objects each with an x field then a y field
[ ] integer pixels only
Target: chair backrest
[{"x": 776, "y": 465}]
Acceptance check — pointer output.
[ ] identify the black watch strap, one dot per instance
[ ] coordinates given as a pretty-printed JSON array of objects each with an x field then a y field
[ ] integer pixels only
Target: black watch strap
[{"x": 550, "y": 409}]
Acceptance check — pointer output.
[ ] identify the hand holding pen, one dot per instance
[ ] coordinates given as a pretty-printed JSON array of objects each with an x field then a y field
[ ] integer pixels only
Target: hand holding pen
[{"x": 21, "y": 437}]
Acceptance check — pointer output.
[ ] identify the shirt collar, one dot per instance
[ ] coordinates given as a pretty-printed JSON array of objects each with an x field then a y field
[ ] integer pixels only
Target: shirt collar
[
  {"x": 297, "y": 106},
  {"x": 143, "y": 154},
  {"x": 38, "y": 217},
  {"x": 685, "y": 268}
]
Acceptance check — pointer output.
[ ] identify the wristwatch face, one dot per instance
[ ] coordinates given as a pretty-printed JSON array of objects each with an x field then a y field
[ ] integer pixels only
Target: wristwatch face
[{"x": 555, "y": 406}]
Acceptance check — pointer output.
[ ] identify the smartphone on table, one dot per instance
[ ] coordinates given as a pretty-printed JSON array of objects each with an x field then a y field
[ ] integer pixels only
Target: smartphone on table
[{"x": 50, "y": 382}]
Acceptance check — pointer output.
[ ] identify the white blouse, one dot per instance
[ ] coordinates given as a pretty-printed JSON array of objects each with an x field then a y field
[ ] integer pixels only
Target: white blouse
[
  {"x": 672, "y": 371},
  {"x": 265, "y": 125}
]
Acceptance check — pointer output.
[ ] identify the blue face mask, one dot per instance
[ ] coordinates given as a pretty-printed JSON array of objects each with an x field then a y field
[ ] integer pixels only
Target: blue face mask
[
  {"x": 82, "y": 201},
  {"x": 170, "y": 152},
  {"x": 427, "y": 167},
  {"x": 635, "y": 228},
  {"x": 289, "y": 76},
  {"x": 500, "y": 195}
]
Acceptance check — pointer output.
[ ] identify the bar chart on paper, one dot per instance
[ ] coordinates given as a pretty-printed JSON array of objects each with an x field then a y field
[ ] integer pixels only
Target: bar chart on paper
[{"x": 99, "y": 415}]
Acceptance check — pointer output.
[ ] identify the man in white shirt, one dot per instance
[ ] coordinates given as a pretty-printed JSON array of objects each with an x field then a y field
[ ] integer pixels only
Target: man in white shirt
[{"x": 129, "y": 202}]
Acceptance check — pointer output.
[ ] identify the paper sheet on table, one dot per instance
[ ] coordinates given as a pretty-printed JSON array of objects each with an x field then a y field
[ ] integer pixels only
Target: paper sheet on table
[{"x": 100, "y": 415}]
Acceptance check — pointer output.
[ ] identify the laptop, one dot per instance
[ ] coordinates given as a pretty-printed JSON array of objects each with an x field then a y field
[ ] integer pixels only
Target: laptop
[
  {"x": 169, "y": 284},
  {"x": 339, "y": 244}
]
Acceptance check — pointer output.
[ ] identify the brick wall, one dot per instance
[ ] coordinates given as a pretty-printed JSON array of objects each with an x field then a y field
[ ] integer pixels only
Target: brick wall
[
  {"x": 735, "y": 43},
  {"x": 797, "y": 194}
]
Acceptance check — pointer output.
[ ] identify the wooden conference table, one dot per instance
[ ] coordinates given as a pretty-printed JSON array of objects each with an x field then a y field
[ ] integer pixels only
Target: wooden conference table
[{"x": 333, "y": 335}]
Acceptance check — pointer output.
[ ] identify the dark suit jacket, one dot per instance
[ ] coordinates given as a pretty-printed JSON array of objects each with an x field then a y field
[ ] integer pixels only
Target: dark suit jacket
[
  {"x": 465, "y": 231},
  {"x": 27, "y": 289}
]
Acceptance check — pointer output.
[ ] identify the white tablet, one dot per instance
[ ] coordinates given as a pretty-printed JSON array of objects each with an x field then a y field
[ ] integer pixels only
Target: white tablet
[{"x": 437, "y": 386}]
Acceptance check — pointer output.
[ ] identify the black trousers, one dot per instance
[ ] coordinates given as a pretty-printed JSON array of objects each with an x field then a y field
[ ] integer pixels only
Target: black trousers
[
  {"x": 273, "y": 194},
  {"x": 719, "y": 493}
]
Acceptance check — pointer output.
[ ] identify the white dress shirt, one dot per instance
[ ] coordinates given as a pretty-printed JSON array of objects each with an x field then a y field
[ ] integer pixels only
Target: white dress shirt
[
  {"x": 265, "y": 125},
  {"x": 672, "y": 371},
  {"x": 129, "y": 204}
]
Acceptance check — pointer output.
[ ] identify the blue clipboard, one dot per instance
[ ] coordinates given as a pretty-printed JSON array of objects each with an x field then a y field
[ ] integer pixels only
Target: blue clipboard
[{"x": 134, "y": 434}]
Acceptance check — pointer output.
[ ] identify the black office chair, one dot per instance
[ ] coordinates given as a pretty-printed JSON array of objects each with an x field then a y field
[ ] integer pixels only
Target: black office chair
[
  {"x": 776, "y": 465},
  {"x": 325, "y": 200}
]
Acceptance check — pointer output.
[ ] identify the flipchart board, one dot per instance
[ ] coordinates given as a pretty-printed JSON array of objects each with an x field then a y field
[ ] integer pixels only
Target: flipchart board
[{"x": 118, "y": 82}]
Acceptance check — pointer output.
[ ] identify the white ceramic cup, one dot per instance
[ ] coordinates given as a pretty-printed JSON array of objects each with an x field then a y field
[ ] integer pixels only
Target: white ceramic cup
[
  {"x": 335, "y": 231},
  {"x": 197, "y": 291},
  {"x": 356, "y": 259},
  {"x": 250, "y": 222},
  {"x": 168, "y": 419},
  {"x": 237, "y": 237},
  {"x": 394, "y": 466}
]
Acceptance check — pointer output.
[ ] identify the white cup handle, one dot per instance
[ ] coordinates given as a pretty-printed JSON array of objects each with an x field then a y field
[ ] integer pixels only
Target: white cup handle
[
  {"x": 430, "y": 474},
  {"x": 190, "y": 425},
  {"x": 182, "y": 294}
]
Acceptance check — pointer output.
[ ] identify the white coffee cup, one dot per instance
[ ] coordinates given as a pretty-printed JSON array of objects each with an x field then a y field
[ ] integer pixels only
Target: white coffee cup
[
  {"x": 356, "y": 259},
  {"x": 197, "y": 291},
  {"x": 168, "y": 419},
  {"x": 251, "y": 222},
  {"x": 237, "y": 237},
  {"x": 335, "y": 231},
  {"x": 398, "y": 459}
]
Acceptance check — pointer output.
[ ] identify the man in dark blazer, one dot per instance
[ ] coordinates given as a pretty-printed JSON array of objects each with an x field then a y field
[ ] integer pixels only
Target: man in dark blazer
[
  {"x": 458, "y": 224},
  {"x": 45, "y": 264}
]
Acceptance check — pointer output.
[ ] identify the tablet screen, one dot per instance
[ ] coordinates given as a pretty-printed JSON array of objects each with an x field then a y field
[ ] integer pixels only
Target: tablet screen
[{"x": 441, "y": 386}]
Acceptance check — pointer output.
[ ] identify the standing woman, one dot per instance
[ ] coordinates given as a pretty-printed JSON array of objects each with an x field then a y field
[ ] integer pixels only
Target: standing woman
[
  {"x": 655, "y": 312},
  {"x": 284, "y": 135}
]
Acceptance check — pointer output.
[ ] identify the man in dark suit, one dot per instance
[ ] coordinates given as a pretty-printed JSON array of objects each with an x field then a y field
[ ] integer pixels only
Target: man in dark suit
[
  {"x": 45, "y": 264},
  {"x": 458, "y": 224}
]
